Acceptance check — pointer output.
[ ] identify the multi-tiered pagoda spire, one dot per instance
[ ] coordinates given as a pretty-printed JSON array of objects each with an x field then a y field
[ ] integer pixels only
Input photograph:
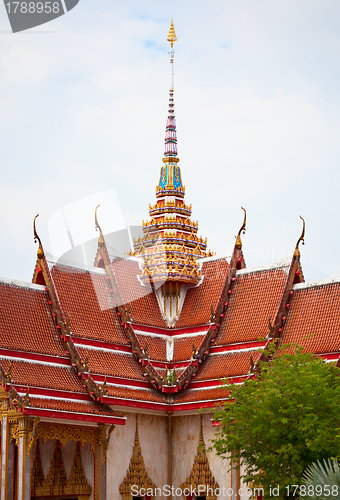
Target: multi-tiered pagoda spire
[{"x": 170, "y": 245}]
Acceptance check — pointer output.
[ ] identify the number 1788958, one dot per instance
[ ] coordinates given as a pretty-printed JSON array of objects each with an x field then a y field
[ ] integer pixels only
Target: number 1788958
[
  {"x": 326, "y": 490},
  {"x": 32, "y": 7}
]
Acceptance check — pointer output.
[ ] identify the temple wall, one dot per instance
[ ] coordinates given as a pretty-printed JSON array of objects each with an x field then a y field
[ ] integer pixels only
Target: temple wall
[
  {"x": 184, "y": 448},
  {"x": 153, "y": 434},
  {"x": 67, "y": 453}
]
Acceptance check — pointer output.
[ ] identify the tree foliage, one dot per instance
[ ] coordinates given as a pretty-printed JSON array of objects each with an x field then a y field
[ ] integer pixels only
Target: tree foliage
[{"x": 282, "y": 420}]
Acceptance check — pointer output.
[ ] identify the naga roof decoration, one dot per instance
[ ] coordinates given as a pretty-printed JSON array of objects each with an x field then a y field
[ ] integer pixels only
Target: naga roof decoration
[{"x": 170, "y": 245}]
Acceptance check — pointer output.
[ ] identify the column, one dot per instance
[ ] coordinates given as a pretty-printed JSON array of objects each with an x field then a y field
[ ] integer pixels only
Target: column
[
  {"x": 24, "y": 461},
  {"x": 101, "y": 464},
  {"x": 7, "y": 455}
]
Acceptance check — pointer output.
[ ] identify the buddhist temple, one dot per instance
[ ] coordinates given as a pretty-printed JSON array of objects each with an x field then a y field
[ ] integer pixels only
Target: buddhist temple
[{"x": 99, "y": 400}]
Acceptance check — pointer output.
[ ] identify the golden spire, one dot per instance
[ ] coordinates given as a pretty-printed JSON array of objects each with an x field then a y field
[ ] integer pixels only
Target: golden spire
[
  {"x": 137, "y": 443},
  {"x": 40, "y": 253},
  {"x": 201, "y": 440},
  {"x": 238, "y": 243},
  {"x": 172, "y": 34},
  {"x": 97, "y": 226},
  {"x": 302, "y": 238}
]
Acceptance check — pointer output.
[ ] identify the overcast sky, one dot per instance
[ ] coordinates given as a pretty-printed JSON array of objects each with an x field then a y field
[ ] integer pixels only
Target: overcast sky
[{"x": 83, "y": 104}]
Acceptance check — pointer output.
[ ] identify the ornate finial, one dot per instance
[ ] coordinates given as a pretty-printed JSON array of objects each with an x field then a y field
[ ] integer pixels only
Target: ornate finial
[
  {"x": 270, "y": 327},
  {"x": 193, "y": 349},
  {"x": 172, "y": 35},
  {"x": 201, "y": 440},
  {"x": 137, "y": 443},
  {"x": 103, "y": 387},
  {"x": 97, "y": 226},
  {"x": 40, "y": 253},
  {"x": 212, "y": 313},
  {"x": 86, "y": 362},
  {"x": 238, "y": 243},
  {"x": 26, "y": 398},
  {"x": 146, "y": 349},
  {"x": 9, "y": 372},
  {"x": 252, "y": 364},
  {"x": 67, "y": 324},
  {"x": 302, "y": 238}
]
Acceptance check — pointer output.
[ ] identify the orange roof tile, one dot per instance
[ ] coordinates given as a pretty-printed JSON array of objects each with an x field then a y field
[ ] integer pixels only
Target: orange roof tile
[
  {"x": 254, "y": 299},
  {"x": 112, "y": 364},
  {"x": 144, "y": 306},
  {"x": 73, "y": 406},
  {"x": 49, "y": 377},
  {"x": 26, "y": 323},
  {"x": 77, "y": 294},
  {"x": 122, "y": 392},
  {"x": 313, "y": 320},
  {"x": 220, "y": 366},
  {"x": 197, "y": 305},
  {"x": 156, "y": 346},
  {"x": 201, "y": 395},
  {"x": 183, "y": 347}
]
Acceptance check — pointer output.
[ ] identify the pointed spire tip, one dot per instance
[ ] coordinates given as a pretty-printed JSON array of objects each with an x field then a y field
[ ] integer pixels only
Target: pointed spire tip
[{"x": 172, "y": 34}]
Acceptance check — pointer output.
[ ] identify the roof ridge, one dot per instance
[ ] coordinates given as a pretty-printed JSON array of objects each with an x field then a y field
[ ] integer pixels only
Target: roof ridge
[
  {"x": 317, "y": 283},
  {"x": 266, "y": 267},
  {"x": 22, "y": 284},
  {"x": 91, "y": 269}
]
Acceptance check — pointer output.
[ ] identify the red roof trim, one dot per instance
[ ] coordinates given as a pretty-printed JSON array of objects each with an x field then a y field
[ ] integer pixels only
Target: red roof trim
[
  {"x": 101, "y": 345},
  {"x": 136, "y": 403},
  {"x": 170, "y": 332},
  {"x": 196, "y": 406},
  {"x": 84, "y": 417},
  {"x": 236, "y": 347},
  {"x": 330, "y": 356},
  {"x": 170, "y": 364},
  {"x": 217, "y": 382},
  {"x": 121, "y": 381},
  {"x": 53, "y": 393},
  {"x": 32, "y": 356}
]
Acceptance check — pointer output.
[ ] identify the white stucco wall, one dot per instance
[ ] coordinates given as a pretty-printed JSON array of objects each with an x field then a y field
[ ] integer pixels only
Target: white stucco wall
[
  {"x": 153, "y": 434},
  {"x": 184, "y": 448}
]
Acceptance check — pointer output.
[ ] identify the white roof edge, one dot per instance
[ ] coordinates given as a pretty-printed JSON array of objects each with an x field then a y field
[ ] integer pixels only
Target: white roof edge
[
  {"x": 283, "y": 264},
  {"x": 84, "y": 267},
  {"x": 91, "y": 269},
  {"x": 22, "y": 284},
  {"x": 314, "y": 284},
  {"x": 226, "y": 257}
]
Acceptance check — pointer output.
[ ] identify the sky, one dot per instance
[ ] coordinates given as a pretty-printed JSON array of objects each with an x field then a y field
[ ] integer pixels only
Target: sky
[{"x": 83, "y": 105}]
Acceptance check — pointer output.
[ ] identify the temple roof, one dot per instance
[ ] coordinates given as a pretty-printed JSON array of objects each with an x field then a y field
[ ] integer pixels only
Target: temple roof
[{"x": 158, "y": 330}]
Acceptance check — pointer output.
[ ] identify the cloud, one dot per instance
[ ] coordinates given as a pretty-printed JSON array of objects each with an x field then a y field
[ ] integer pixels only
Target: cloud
[{"x": 257, "y": 104}]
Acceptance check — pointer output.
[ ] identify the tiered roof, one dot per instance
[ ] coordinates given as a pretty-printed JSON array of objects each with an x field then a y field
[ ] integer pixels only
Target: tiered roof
[{"x": 80, "y": 344}]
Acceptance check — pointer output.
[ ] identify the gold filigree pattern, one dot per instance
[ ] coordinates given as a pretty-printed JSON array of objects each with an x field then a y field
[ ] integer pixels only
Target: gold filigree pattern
[
  {"x": 200, "y": 474},
  {"x": 37, "y": 475},
  {"x": 65, "y": 433},
  {"x": 55, "y": 481},
  {"x": 136, "y": 474},
  {"x": 77, "y": 483}
]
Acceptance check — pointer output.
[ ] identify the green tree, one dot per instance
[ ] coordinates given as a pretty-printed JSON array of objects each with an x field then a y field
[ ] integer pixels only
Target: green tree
[{"x": 282, "y": 420}]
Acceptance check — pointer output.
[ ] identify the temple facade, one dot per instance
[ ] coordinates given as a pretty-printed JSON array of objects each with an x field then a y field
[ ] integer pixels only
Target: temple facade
[{"x": 104, "y": 370}]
